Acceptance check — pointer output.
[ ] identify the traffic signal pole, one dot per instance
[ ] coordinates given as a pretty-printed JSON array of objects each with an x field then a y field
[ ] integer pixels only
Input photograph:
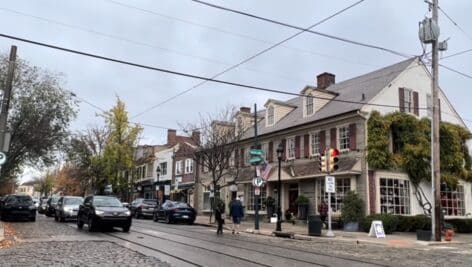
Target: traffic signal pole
[
  {"x": 328, "y": 170},
  {"x": 256, "y": 196},
  {"x": 5, "y": 101}
]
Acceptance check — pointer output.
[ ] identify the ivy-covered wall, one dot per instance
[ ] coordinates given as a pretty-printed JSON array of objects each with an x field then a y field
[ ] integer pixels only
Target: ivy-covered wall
[{"x": 400, "y": 141}]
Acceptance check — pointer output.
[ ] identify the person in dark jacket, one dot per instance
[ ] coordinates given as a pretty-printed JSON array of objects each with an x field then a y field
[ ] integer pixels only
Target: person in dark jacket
[
  {"x": 323, "y": 211},
  {"x": 236, "y": 212},
  {"x": 219, "y": 210}
]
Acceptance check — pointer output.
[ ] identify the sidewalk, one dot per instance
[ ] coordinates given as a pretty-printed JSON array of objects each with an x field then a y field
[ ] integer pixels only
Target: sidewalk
[
  {"x": 1, "y": 232},
  {"x": 300, "y": 232}
]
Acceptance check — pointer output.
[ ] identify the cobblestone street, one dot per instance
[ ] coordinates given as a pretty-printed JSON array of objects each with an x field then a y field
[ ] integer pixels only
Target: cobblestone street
[{"x": 36, "y": 245}]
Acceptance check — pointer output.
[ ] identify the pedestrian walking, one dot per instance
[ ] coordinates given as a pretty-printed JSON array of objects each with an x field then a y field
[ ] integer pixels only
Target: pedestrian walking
[
  {"x": 219, "y": 210},
  {"x": 323, "y": 211},
  {"x": 236, "y": 212}
]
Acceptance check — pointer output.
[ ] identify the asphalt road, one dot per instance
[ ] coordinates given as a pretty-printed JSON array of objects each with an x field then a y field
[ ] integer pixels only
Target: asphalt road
[{"x": 46, "y": 242}]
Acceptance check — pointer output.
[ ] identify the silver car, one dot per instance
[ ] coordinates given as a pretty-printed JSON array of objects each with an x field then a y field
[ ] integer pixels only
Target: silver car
[{"x": 67, "y": 208}]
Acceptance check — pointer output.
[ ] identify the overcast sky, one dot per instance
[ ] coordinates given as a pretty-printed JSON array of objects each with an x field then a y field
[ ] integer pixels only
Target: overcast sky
[{"x": 188, "y": 37}]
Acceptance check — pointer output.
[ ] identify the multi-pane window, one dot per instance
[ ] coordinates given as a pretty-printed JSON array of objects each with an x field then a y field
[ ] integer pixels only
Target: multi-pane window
[
  {"x": 163, "y": 168},
  {"x": 265, "y": 149},
  {"x": 315, "y": 143},
  {"x": 343, "y": 186},
  {"x": 251, "y": 197},
  {"x": 270, "y": 115},
  {"x": 178, "y": 167},
  {"x": 408, "y": 100},
  {"x": 309, "y": 105},
  {"x": 141, "y": 172},
  {"x": 188, "y": 166},
  {"x": 394, "y": 196},
  {"x": 290, "y": 148},
  {"x": 452, "y": 201},
  {"x": 344, "y": 138},
  {"x": 150, "y": 169}
]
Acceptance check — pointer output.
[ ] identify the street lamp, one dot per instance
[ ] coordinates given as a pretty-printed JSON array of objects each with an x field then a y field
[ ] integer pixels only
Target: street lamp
[
  {"x": 280, "y": 153},
  {"x": 158, "y": 173}
]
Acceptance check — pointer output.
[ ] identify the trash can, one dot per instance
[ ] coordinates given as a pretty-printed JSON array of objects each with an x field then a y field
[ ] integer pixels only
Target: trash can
[{"x": 314, "y": 225}]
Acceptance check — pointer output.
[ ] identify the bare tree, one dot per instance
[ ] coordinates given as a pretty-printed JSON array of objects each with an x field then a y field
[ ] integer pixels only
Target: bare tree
[{"x": 217, "y": 145}]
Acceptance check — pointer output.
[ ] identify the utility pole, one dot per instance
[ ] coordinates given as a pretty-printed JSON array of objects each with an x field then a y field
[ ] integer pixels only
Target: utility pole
[
  {"x": 6, "y": 97},
  {"x": 435, "y": 134},
  {"x": 256, "y": 196}
]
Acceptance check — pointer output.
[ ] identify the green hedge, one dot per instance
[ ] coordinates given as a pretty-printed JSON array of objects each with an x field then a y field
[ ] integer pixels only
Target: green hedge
[
  {"x": 389, "y": 222},
  {"x": 461, "y": 225}
]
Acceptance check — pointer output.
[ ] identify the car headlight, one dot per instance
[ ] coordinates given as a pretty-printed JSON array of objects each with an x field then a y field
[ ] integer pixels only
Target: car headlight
[
  {"x": 127, "y": 213},
  {"x": 67, "y": 209},
  {"x": 32, "y": 207},
  {"x": 99, "y": 212}
]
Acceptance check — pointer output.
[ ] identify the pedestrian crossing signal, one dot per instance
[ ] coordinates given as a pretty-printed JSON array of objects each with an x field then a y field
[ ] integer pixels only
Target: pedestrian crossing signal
[{"x": 323, "y": 167}]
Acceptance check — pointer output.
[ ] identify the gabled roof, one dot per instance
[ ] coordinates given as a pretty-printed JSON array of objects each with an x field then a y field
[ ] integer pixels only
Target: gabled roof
[
  {"x": 278, "y": 102},
  {"x": 369, "y": 84}
]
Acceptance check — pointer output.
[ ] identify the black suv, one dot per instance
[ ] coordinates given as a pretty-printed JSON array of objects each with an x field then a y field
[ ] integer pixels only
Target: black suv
[
  {"x": 51, "y": 206},
  {"x": 106, "y": 211},
  {"x": 18, "y": 206}
]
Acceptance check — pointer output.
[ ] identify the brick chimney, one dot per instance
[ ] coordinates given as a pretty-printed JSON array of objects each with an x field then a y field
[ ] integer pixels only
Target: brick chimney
[
  {"x": 324, "y": 80},
  {"x": 196, "y": 137},
  {"x": 171, "y": 136},
  {"x": 245, "y": 109}
]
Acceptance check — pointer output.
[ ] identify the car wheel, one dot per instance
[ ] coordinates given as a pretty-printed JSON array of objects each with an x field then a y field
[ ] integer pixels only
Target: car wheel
[
  {"x": 62, "y": 219},
  {"x": 91, "y": 225},
  {"x": 126, "y": 228},
  {"x": 168, "y": 219},
  {"x": 190, "y": 222},
  {"x": 154, "y": 217},
  {"x": 33, "y": 219},
  {"x": 56, "y": 218},
  {"x": 80, "y": 223}
]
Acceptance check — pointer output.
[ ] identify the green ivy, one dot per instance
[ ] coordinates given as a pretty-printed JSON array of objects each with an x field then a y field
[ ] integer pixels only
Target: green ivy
[{"x": 412, "y": 150}]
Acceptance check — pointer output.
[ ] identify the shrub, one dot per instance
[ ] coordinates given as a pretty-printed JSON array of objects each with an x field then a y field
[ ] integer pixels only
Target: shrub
[
  {"x": 352, "y": 210},
  {"x": 413, "y": 223},
  {"x": 270, "y": 202},
  {"x": 389, "y": 222},
  {"x": 302, "y": 200},
  {"x": 461, "y": 225}
]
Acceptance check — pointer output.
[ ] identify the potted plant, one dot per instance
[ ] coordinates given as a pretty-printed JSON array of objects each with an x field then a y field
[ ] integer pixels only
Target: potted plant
[
  {"x": 270, "y": 207},
  {"x": 352, "y": 212},
  {"x": 288, "y": 215},
  {"x": 302, "y": 202}
]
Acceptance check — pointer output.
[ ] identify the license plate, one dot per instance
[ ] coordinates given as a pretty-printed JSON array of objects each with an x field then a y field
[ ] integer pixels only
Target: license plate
[
  {"x": 74, "y": 213},
  {"x": 185, "y": 216}
]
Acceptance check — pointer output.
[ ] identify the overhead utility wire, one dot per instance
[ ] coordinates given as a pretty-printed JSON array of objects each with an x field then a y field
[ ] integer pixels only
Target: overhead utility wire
[
  {"x": 244, "y": 36},
  {"x": 247, "y": 59},
  {"x": 455, "y": 23},
  {"x": 300, "y": 28},
  {"x": 124, "y": 39},
  {"x": 186, "y": 74}
]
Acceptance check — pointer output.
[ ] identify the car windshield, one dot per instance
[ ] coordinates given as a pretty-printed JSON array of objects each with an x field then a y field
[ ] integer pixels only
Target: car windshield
[
  {"x": 181, "y": 205},
  {"x": 54, "y": 200},
  {"x": 106, "y": 202},
  {"x": 73, "y": 201},
  {"x": 23, "y": 200}
]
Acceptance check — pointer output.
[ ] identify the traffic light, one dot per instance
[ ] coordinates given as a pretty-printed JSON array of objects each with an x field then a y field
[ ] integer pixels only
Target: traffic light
[
  {"x": 257, "y": 156},
  {"x": 323, "y": 167},
  {"x": 333, "y": 160}
]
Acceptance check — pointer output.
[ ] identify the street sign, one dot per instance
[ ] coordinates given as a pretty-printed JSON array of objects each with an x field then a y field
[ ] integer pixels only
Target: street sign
[
  {"x": 330, "y": 184},
  {"x": 376, "y": 229},
  {"x": 257, "y": 181},
  {"x": 257, "y": 191},
  {"x": 257, "y": 152},
  {"x": 167, "y": 189},
  {"x": 3, "y": 158}
]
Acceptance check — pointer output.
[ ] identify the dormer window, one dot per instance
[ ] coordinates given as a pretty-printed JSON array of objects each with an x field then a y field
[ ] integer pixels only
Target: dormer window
[
  {"x": 270, "y": 115},
  {"x": 309, "y": 105}
]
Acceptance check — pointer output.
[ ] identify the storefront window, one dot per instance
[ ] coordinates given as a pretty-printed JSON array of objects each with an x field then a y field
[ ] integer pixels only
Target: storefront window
[
  {"x": 251, "y": 197},
  {"x": 343, "y": 186},
  {"x": 394, "y": 196},
  {"x": 452, "y": 201},
  {"x": 206, "y": 201}
]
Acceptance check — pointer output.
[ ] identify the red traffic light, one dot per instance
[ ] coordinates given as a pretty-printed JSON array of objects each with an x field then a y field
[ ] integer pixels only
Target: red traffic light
[{"x": 334, "y": 152}]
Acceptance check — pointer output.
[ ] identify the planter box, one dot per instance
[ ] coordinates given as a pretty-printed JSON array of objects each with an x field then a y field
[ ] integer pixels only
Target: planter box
[{"x": 423, "y": 235}]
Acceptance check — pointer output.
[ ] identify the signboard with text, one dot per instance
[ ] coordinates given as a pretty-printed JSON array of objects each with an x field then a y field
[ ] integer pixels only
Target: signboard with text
[{"x": 330, "y": 184}]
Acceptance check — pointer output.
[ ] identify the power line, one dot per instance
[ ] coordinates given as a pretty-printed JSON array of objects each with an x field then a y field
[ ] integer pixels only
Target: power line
[
  {"x": 456, "y": 71},
  {"x": 184, "y": 74},
  {"x": 244, "y": 36},
  {"x": 248, "y": 59},
  {"x": 458, "y": 53},
  {"x": 300, "y": 28},
  {"x": 455, "y": 23},
  {"x": 120, "y": 38}
]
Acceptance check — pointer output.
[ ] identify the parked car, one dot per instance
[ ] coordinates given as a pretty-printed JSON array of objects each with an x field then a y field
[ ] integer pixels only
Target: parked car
[
  {"x": 43, "y": 202},
  {"x": 51, "y": 206},
  {"x": 67, "y": 208},
  {"x": 141, "y": 207},
  {"x": 174, "y": 211},
  {"x": 103, "y": 211},
  {"x": 36, "y": 202},
  {"x": 17, "y": 206}
]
